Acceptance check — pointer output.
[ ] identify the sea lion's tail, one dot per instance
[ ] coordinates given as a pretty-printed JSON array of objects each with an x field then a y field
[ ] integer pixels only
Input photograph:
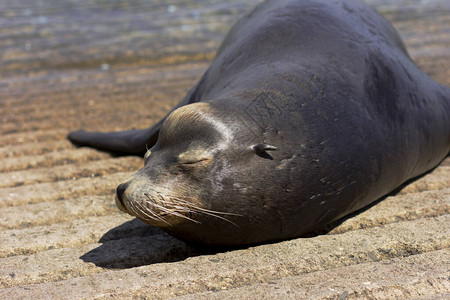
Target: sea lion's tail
[{"x": 134, "y": 142}]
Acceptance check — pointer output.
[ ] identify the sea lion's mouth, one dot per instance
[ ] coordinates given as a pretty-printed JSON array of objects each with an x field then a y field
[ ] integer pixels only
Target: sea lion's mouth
[
  {"x": 156, "y": 209},
  {"x": 161, "y": 210}
]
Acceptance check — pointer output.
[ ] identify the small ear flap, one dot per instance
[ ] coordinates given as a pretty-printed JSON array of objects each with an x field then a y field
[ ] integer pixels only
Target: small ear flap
[{"x": 261, "y": 148}]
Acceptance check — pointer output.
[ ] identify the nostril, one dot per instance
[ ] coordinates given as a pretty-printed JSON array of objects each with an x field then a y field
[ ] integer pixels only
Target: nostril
[{"x": 120, "y": 191}]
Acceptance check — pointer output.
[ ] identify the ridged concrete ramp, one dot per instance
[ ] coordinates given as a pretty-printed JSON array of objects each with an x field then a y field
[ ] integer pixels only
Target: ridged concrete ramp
[{"x": 112, "y": 65}]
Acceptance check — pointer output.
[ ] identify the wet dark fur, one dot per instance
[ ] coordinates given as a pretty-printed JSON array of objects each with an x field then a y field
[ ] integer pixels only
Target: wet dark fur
[{"x": 327, "y": 113}]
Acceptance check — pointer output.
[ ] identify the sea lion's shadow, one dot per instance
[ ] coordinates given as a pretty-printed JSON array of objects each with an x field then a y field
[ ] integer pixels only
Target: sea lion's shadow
[
  {"x": 122, "y": 249},
  {"x": 135, "y": 244},
  {"x": 151, "y": 245}
]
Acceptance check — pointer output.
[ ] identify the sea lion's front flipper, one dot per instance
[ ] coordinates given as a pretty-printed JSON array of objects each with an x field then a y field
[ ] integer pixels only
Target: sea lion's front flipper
[{"x": 133, "y": 142}]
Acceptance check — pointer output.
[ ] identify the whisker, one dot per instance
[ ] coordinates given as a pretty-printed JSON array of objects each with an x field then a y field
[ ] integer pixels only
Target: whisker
[
  {"x": 174, "y": 213},
  {"x": 204, "y": 209},
  {"x": 143, "y": 211},
  {"x": 219, "y": 217},
  {"x": 168, "y": 211},
  {"x": 209, "y": 212},
  {"x": 179, "y": 206}
]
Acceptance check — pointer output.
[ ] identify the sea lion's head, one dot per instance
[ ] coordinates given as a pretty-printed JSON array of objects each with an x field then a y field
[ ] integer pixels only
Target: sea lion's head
[{"x": 207, "y": 179}]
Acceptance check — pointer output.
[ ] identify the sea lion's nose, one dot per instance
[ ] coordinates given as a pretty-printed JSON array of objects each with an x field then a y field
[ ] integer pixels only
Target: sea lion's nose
[{"x": 119, "y": 193}]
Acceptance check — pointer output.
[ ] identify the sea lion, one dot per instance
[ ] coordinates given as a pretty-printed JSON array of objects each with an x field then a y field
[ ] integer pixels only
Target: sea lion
[{"x": 311, "y": 110}]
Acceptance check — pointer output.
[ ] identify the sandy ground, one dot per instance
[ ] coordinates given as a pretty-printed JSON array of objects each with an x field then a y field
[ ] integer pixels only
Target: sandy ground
[{"x": 112, "y": 65}]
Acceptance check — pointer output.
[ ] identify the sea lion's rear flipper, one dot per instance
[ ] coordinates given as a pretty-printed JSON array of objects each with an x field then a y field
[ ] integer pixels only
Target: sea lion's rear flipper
[{"x": 135, "y": 142}]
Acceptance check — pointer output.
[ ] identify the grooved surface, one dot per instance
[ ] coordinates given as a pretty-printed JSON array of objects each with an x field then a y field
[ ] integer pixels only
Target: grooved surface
[{"x": 115, "y": 65}]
